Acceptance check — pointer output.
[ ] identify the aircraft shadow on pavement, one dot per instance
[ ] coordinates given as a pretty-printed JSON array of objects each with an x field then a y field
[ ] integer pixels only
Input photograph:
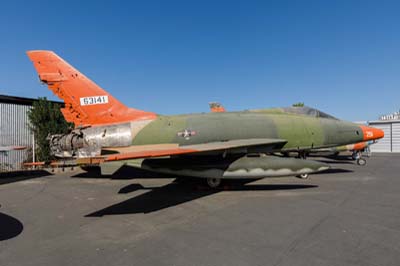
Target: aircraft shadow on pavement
[
  {"x": 9, "y": 227},
  {"x": 11, "y": 177},
  {"x": 336, "y": 161},
  {"x": 337, "y": 171},
  {"x": 173, "y": 194},
  {"x": 125, "y": 172}
]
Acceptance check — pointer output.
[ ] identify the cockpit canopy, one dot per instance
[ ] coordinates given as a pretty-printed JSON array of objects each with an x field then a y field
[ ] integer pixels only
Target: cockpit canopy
[{"x": 308, "y": 111}]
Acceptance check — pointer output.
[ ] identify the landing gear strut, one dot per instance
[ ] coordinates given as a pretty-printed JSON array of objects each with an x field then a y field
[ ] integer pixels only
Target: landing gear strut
[
  {"x": 302, "y": 155},
  {"x": 356, "y": 155}
]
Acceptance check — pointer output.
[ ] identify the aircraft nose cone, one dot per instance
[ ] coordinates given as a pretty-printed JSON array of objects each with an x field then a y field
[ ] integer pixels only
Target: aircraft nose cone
[{"x": 371, "y": 133}]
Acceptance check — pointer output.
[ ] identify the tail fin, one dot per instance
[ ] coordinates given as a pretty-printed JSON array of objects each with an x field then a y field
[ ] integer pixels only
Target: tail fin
[{"x": 85, "y": 102}]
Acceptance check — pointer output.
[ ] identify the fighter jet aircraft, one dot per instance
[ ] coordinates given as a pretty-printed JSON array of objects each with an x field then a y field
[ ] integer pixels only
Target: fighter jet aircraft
[{"x": 214, "y": 146}]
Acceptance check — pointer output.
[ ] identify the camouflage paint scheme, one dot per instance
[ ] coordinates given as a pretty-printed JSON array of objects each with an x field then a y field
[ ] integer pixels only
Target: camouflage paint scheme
[
  {"x": 217, "y": 107},
  {"x": 356, "y": 147},
  {"x": 301, "y": 132}
]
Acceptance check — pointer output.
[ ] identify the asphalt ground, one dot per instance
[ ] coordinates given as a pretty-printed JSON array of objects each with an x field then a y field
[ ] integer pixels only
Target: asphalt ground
[{"x": 347, "y": 216}]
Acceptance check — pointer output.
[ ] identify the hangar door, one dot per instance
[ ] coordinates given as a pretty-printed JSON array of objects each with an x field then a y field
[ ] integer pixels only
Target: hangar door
[
  {"x": 396, "y": 137},
  {"x": 384, "y": 144}
]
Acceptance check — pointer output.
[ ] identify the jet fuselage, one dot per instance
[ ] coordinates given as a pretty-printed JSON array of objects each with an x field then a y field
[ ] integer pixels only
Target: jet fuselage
[{"x": 301, "y": 132}]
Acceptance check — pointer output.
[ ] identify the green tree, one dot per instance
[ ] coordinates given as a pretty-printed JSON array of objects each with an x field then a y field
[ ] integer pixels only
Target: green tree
[
  {"x": 45, "y": 118},
  {"x": 299, "y": 104}
]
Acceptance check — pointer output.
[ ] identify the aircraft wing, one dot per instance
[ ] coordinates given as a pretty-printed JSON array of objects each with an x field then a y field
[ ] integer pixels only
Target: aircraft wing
[{"x": 161, "y": 150}]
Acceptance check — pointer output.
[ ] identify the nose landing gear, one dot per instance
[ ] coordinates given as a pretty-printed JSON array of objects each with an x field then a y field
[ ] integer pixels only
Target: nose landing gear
[
  {"x": 361, "y": 161},
  {"x": 357, "y": 156}
]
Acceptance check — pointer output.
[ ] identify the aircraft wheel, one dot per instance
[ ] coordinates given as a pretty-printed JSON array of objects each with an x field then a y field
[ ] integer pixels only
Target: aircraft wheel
[
  {"x": 361, "y": 161},
  {"x": 214, "y": 182},
  {"x": 302, "y": 176}
]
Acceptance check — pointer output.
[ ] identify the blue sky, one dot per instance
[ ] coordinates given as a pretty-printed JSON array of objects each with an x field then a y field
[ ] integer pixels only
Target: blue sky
[{"x": 171, "y": 57}]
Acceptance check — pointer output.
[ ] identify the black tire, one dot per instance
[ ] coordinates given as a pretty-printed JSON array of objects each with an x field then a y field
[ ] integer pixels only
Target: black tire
[
  {"x": 213, "y": 182},
  {"x": 361, "y": 162},
  {"x": 302, "y": 176}
]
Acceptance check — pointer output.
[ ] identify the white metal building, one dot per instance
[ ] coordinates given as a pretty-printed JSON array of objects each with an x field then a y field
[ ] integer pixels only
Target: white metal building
[
  {"x": 14, "y": 131},
  {"x": 391, "y": 141}
]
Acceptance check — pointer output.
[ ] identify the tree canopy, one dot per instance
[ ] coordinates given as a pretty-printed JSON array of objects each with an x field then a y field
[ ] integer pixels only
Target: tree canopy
[
  {"x": 299, "y": 104},
  {"x": 45, "y": 118}
]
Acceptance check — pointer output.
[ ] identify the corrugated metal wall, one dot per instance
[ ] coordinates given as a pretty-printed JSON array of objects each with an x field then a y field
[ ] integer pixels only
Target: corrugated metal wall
[
  {"x": 384, "y": 144},
  {"x": 14, "y": 131},
  {"x": 396, "y": 137},
  {"x": 391, "y": 141}
]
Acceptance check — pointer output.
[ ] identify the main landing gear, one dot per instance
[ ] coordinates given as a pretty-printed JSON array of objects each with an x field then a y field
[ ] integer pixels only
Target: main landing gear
[
  {"x": 302, "y": 176},
  {"x": 214, "y": 182}
]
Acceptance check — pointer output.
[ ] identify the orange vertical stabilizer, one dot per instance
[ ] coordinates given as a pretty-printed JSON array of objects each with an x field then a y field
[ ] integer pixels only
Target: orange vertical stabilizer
[{"x": 85, "y": 102}]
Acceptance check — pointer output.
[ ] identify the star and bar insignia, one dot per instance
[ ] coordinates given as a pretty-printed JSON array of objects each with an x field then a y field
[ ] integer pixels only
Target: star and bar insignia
[{"x": 187, "y": 133}]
